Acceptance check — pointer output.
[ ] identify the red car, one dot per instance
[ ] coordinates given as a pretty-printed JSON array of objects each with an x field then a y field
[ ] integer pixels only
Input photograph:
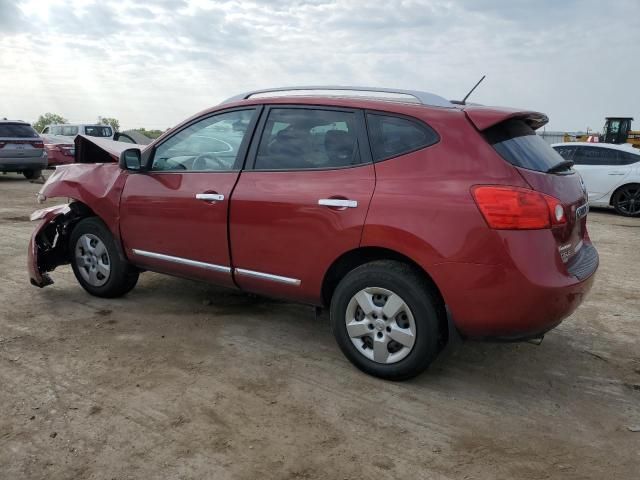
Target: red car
[
  {"x": 60, "y": 152},
  {"x": 412, "y": 218}
]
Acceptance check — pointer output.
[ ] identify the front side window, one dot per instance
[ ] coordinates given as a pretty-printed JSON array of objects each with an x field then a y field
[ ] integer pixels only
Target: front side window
[
  {"x": 595, "y": 156},
  {"x": 212, "y": 144},
  {"x": 392, "y": 136},
  {"x": 296, "y": 138}
]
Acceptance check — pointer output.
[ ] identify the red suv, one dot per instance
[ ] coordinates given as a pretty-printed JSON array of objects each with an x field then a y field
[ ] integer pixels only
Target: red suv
[{"x": 411, "y": 217}]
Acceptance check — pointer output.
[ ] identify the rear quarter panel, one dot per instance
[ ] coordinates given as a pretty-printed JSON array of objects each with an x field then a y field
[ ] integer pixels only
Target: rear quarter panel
[{"x": 422, "y": 206}]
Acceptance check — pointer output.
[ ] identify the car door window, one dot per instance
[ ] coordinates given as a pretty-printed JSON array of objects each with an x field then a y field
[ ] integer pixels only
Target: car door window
[
  {"x": 391, "y": 136},
  {"x": 296, "y": 138},
  {"x": 625, "y": 158},
  {"x": 566, "y": 152},
  {"x": 595, "y": 156},
  {"x": 211, "y": 144}
]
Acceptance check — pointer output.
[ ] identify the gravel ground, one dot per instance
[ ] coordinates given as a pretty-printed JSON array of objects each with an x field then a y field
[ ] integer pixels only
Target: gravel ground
[{"x": 183, "y": 380}]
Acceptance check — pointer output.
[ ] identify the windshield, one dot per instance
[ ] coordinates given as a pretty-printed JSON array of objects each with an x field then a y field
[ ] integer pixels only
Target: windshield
[
  {"x": 98, "y": 131},
  {"x": 519, "y": 145},
  {"x": 17, "y": 130}
]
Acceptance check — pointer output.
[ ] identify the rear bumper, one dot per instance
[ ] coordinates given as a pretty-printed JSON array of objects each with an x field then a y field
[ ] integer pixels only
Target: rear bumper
[
  {"x": 528, "y": 295},
  {"x": 23, "y": 163}
]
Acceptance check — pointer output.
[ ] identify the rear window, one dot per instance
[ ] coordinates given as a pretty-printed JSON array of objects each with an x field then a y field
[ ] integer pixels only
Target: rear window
[
  {"x": 97, "y": 131},
  {"x": 391, "y": 136},
  {"x": 519, "y": 145},
  {"x": 17, "y": 130}
]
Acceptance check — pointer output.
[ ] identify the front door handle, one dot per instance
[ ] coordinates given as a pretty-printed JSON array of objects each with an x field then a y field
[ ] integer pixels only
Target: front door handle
[
  {"x": 337, "y": 202},
  {"x": 209, "y": 197}
]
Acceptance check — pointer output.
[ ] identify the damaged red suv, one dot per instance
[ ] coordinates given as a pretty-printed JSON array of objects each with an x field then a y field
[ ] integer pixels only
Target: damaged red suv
[{"x": 412, "y": 218}]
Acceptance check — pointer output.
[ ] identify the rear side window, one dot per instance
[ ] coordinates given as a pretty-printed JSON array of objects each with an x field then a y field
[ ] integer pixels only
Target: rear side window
[
  {"x": 596, "y": 156},
  {"x": 69, "y": 131},
  {"x": 519, "y": 145},
  {"x": 98, "y": 131},
  {"x": 391, "y": 136},
  {"x": 17, "y": 130},
  {"x": 628, "y": 158},
  {"x": 296, "y": 138}
]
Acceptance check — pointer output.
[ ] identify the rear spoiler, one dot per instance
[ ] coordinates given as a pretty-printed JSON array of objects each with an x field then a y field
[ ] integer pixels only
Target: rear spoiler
[
  {"x": 98, "y": 150},
  {"x": 486, "y": 117}
]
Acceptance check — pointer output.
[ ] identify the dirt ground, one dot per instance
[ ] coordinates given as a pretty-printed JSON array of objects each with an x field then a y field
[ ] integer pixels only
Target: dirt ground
[{"x": 183, "y": 380}]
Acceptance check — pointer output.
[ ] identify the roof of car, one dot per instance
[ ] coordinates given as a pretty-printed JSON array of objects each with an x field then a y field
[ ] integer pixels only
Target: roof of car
[
  {"x": 21, "y": 122},
  {"x": 342, "y": 91},
  {"x": 625, "y": 147}
]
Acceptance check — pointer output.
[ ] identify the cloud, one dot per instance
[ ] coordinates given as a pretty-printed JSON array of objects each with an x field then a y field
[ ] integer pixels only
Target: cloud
[{"x": 152, "y": 63}]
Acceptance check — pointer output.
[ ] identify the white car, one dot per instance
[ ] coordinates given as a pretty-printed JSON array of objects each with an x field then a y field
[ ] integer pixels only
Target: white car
[
  {"x": 73, "y": 129},
  {"x": 611, "y": 173}
]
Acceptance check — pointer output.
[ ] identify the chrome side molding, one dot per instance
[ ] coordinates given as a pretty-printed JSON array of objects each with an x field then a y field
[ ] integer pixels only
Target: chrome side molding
[
  {"x": 217, "y": 268},
  {"x": 267, "y": 276},
  {"x": 183, "y": 261}
]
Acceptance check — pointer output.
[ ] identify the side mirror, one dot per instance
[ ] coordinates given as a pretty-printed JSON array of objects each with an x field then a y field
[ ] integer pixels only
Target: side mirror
[{"x": 131, "y": 159}]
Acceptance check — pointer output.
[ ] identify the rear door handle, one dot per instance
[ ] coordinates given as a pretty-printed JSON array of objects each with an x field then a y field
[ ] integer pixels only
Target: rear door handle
[
  {"x": 336, "y": 202},
  {"x": 209, "y": 197}
]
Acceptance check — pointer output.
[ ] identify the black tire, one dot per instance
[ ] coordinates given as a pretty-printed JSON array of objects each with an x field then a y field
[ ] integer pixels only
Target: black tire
[
  {"x": 626, "y": 200},
  {"x": 416, "y": 293},
  {"x": 122, "y": 276},
  {"x": 32, "y": 174}
]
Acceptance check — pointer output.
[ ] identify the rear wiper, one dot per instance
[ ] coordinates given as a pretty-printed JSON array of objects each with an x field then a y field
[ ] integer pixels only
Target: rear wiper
[{"x": 560, "y": 167}]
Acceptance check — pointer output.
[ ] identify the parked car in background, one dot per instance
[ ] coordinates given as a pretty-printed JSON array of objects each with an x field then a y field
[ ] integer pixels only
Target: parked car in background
[
  {"x": 410, "y": 217},
  {"x": 21, "y": 149},
  {"x": 73, "y": 129},
  {"x": 60, "y": 151},
  {"x": 611, "y": 173}
]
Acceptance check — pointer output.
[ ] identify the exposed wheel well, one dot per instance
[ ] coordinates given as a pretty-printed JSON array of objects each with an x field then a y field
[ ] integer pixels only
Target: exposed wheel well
[
  {"x": 617, "y": 189},
  {"x": 354, "y": 258}
]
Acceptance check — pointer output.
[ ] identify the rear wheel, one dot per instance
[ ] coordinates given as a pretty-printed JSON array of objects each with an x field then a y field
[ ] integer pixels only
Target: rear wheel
[
  {"x": 385, "y": 320},
  {"x": 32, "y": 174},
  {"x": 626, "y": 200},
  {"x": 96, "y": 261}
]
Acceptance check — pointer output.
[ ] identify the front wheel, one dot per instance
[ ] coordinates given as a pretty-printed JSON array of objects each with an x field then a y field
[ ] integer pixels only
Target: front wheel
[
  {"x": 384, "y": 318},
  {"x": 96, "y": 261},
  {"x": 626, "y": 200}
]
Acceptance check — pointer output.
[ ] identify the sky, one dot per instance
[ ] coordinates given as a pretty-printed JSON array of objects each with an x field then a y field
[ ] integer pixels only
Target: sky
[{"x": 153, "y": 63}]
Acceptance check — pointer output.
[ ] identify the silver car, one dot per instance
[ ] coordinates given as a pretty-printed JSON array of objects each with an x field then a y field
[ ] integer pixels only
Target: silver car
[{"x": 21, "y": 149}]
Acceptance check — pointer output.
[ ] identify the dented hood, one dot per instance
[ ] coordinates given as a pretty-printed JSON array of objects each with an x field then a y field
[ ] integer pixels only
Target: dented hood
[
  {"x": 487, "y": 117},
  {"x": 99, "y": 150}
]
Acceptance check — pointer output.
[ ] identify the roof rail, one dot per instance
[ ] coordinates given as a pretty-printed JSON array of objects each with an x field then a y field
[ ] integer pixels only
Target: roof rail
[{"x": 415, "y": 96}]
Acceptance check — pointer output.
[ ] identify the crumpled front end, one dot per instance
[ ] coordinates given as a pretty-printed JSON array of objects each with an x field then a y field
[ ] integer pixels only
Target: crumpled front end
[{"x": 48, "y": 247}]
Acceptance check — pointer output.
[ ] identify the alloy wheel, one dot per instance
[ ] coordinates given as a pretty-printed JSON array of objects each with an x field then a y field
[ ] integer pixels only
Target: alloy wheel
[{"x": 628, "y": 200}]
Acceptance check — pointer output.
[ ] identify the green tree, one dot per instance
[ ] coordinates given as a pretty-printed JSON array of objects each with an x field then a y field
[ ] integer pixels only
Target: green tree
[
  {"x": 112, "y": 122},
  {"x": 48, "y": 119}
]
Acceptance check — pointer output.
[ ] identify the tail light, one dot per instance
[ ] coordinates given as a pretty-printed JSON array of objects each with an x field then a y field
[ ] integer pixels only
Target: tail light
[
  {"x": 37, "y": 144},
  {"x": 2, "y": 144},
  {"x": 515, "y": 208}
]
